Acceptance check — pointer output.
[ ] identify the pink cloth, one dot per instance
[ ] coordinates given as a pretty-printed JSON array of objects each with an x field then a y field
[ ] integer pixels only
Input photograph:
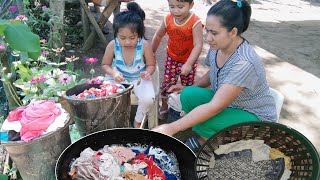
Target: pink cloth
[
  {"x": 122, "y": 154},
  {"x": 16, "y": 114},
  {"x": 36, "y": 118}
]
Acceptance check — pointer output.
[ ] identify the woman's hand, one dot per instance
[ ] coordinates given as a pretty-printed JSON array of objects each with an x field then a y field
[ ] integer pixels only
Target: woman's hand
[
  {"x": 186, "y": 69},
  {"x": 165, "y": 129},
  {"x": 176, "y": 88},
  {"x": 118, "y": 77},
  {"x": 145, "y": 75}
]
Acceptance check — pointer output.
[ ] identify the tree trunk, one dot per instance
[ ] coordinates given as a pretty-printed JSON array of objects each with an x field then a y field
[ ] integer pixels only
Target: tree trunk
[{"x": 58, "y": 7}]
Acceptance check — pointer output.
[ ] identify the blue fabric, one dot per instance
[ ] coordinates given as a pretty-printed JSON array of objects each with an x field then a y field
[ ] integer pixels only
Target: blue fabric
[
  {"x": 130, "y": 73},
  {"x": 136, "y": 151},
  {"x": 4, "y": 136},
  {"x": 166, "y": 161}
]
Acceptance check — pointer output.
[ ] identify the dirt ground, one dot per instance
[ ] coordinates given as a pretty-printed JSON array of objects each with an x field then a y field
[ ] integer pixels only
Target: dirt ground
[{"x": 286, "y": 34}]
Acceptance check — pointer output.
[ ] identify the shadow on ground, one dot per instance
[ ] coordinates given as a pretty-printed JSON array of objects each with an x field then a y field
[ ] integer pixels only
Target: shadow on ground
[{"x": 297, "y": 42}]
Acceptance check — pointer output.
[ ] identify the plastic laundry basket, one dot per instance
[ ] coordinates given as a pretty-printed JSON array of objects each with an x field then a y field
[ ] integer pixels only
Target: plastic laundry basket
[{"x": 304, "y": 156}]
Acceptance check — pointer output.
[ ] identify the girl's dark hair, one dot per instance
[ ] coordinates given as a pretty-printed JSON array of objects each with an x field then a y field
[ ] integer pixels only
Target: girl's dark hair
[
  {"x": 189, "y": 1},
  {"x": 132, "y": 18},
  {"x": 233, "y": 14}
]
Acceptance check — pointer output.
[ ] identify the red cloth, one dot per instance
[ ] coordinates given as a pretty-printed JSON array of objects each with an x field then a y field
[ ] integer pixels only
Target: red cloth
[
  {"x": 153, "y": 170},
  {"x": 105, "y": 90},
  {"x": 35, "y": 118}
]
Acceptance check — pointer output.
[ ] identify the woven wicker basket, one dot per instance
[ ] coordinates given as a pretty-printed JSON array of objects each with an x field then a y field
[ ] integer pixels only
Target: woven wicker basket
[{"x": 304, "y": 156}]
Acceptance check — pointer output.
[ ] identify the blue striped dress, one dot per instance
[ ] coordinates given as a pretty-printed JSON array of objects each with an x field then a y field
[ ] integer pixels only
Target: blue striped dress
[{"x": 130, "y": 73}]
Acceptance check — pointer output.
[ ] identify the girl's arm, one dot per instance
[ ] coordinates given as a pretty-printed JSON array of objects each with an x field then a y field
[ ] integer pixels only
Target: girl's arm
[
  {"x": 108, "y": 58},
  {"x": 197, "y": 34},
  {"x": 161, "y": 31},
  {"x": 149, "y": 58},
  {"x": 225, "y": 95}
]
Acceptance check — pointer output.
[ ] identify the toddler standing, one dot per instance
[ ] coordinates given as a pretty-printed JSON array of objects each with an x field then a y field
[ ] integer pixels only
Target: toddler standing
[{"x": 185, "y": 42}]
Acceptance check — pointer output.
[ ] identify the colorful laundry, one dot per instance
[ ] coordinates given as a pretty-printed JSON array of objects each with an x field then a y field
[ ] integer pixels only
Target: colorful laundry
[
  {"x": 247, "y": 159},
  {"x": 153, "y": 170},
  {"x": 275, "y": 153},
  {"x": 36, "y": 119},
  {"x": 133, "y": 176},
  {"x": 166, "y": 161},
  {"x": 239, "y": 165},
  {"x": 103, "y": 90},
  {"x": 32, "y": 120},
  {"x": 260, "y": 151},
  {"x": 125, "y": 163},
  {"x": 122, "y": 154}
]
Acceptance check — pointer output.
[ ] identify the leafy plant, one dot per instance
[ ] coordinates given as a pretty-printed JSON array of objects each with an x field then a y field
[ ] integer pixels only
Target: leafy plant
[
  {"x": 45, "y": 79},
  {"x": 41, "y": 21},
  {"x": 38, "y": 72},
  {"x": 20, "y": 38},
  {"x": 10, "y": 171},
  {"x": 1, "y": 119}
]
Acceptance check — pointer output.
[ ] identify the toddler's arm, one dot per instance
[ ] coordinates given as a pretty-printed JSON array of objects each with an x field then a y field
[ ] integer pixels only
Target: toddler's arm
[
  {"x": 197, "y": 34},
  {"x": 157, "y": 37}
]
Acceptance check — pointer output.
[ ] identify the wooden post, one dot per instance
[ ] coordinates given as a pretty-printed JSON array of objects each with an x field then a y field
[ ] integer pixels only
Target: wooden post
[
  {"x": 108, "y": 10},
  {"x": 85, "y": 25},
  {"x": 106, "y": 13},
  {"x": 94, "y": 23}
]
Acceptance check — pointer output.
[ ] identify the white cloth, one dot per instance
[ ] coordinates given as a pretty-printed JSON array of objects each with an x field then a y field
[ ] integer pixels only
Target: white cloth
[
  {"x": 109, "y": 167},
  {"x": 59, "y": 122},
  {"x": 174, "y": 102},
  {"x": 286, "y": 174},
  {"x": 135, "y": 168},
  {"x": 13, "y": 125},
  {"x": 146, "y": 95},
  {"x": 260, "y": 151}
]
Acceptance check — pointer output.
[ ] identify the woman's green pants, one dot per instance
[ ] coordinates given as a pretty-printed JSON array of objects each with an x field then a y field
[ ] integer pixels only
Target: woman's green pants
[{"x": 192, "y": 97}]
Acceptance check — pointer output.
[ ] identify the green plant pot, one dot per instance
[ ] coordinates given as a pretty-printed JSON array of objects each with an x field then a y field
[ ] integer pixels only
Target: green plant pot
[{"x": 4, "y": 177}]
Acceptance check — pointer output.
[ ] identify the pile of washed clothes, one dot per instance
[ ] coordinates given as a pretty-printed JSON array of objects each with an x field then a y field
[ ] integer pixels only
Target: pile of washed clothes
[
  {"x": 249, "y": 159},
  {"x": 102, "y": 91},
  {"x": 38, "y": 118},
  {"x": 117, "y": 162}
]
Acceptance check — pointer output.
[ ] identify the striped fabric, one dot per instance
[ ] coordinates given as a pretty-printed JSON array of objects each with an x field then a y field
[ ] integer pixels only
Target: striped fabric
[
  {"x": 245, "y": 69},
  {"x": 130, "y": 73}
]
